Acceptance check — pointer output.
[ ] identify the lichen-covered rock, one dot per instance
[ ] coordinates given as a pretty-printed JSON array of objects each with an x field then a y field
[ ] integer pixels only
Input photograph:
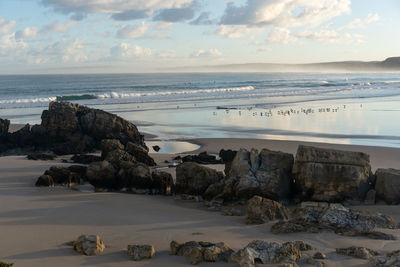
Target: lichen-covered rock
[
  {"x": 101, "y": 174},
  {"x": 108, "y": 145},
  {"x": 331, "y": 175},
  {"x": 357, "y": 252},
  {"x": 316, "y": 216},
  {"x": 194, "y": 179},
  {"x": 140, "y": 154},
  {"x": 117, "y": 156},
  {"x": 261, "y": 210},
  {"x": 388, "y": 185},
  {"x": 139, "y": 252},
  {"x": 197, "y": 252},
  {"x": 44, "y": 180},
  {"x": 88, "y": 245}
]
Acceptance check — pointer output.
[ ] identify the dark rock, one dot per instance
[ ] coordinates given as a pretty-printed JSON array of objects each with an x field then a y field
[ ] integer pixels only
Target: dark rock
[
  {"x": 194, "y": 179},
  {"x": 388, "y": 185},
  {"x": 101, "y": 174},
  {"x": 261, "y": 210},
  {"x": 63, "y": 175},
  {"x": 357, "y": 252},
  {"x": 85, "y": 159},
  {"x": 80, "y": 170},
  {"x": 319, "y": 256},
  {"x": 140, "y": 154},
  {"x": 163, "y": 183},
  {"x": 135, "y": 175},
  {"x": 44, "y": 180},
  {"x": 202, "y": 158},
  {"x": 139, "y": 252},
  {"x": 331, "y": 175},
  {"x": 4, "y": 264},
  {"x": 370, "y": 197},
  {"x": 108, "y": 145},
  {"x": 118, "y": 156},
  {"x": 156, "y": 148},
  {"x": 41, "y": 156},
  {"x": 391, "y": 259},
  {"x": 227, "y": 157}
]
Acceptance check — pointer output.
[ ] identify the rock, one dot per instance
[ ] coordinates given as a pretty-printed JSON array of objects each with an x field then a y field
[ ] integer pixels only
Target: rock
[
  {"x": 63, "y": 176},
  {"x": 85, "y": 159},
  {"x": 4, "y": 264},
  {"x": 117, "y": 156},
  {"x": 227, "y": 157},
  {"x": 88, "y": 245},
  {"x": 370, "y": 197},
  {"x": 213, "y": 190},
  {"x": 108, "y": 145},
  {"x": 266, "y": 253},
  {"x": 202, "y": 158},
  {"x": 267, "y": 174},
  {"x": 163, "y": 183},
  {"x": 140, "y": 154},
  {"x": 194, "y": 179},
  {"x": 319, "y": 256},
  {"x": 197, "y": 252},
  {"x": 139, "y": 252},
  {"x": 357, "y": 252},
  {"x": 44, "y": 180},
  {"x": 80, "y": 170},
  {"x": 261, "y": 210},
  {"x": 135, "y": 175},
  {"x": 4, "y": 126},
  {"x": 101, "y": 174},
  {"x": 315, "y": 217},
  {"x": 331, "y": 175},
  {"x": 388, "y": 185},
  {"x": 41, "y": 156},
  {"x": 302, "y": 246},
  {"x": 391, "y": 259},
  {"x": 156, "y": 148}
]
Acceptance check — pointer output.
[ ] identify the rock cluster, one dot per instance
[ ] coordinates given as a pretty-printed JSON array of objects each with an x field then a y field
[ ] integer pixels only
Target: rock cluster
[
  {"x": 197, "y": 252},
  {"x": 140, "y": 252},
  {"x": 357, "y": 252},
  {"x": 65, "y": 176},
  {"x": 202, "y": 158},
  {"x": 88, "y": 245},
  {"x": 261, "y": 210},
  {"x": 388, "y": 185},
  {"x": 318, "y": 216},
  {"x": 391, "y": 259}
]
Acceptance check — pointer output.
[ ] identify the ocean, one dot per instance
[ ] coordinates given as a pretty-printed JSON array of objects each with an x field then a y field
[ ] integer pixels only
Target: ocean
[{"x": 343, "y": 108}]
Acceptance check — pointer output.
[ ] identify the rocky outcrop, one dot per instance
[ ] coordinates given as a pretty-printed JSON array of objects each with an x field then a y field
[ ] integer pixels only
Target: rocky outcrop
[
  {"x": 266, "y": 253},
  {"x": 357, "y": 252},
  {"x": 202, "y": 158},
  {"x": 331, "y": 175},
  {"x": 65, "y": 176},
  {"x": 227, "y": 157},
  {"x": 261, "y": 210},
  {"x": 140, "y": 252},
  {"x": 108, "y": 145},
  {"x": 140, "y": 154},
  {"x": 4, "y": 125},
  {"x": 102, "y": 174},
  {"x": 319, "y": 216},
  {"x": 41, "y": 156},
  {"x": 197, "y": 252},
  {"x": 88, "y": 245},
  {"x": 391, "y": 259},
  {"x": 44, "y": 180},
  {"x": 194, "y": 179},
  {"x": 388, "y": 185},
  {"x": 85, "y": 159}
]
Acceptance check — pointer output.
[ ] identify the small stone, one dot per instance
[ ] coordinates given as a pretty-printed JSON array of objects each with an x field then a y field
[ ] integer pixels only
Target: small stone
[
  {"x": 319, "y": 256},
  {"x": 156, "y": 148},
  {"x": 139, "y": 252},
  {"x": 357, "y": 252},
  {"x": 89, "y": 245},
  {"x": 3, "y": 264}
]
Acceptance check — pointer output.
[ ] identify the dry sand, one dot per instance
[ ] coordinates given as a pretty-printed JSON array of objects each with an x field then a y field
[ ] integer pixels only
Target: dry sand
[{"x": 36, "y": 222}]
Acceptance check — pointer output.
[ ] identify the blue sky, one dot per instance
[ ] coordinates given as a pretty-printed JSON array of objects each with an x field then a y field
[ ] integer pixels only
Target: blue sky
[{"x": 84, "y": 36}]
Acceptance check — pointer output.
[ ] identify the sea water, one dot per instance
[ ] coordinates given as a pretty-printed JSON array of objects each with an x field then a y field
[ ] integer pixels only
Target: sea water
[{"x": 341, "y": 108}]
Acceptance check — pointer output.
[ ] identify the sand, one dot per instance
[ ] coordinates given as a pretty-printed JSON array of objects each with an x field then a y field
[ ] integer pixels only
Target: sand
[{"x": 36, "y": 222}]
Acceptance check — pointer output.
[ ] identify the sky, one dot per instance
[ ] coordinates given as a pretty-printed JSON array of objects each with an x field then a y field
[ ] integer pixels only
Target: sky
[{"x": 119, "y": 36}]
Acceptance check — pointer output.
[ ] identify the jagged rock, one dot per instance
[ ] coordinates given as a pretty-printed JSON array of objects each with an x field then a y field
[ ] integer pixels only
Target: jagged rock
[
  {"x": 163, "y": 183},
  {"x": 139, "y": 252},
  {"x": 261, "y": 210},
  {"x": 266, "y": 253},
  {"x": 4, "y": 126},
  {"x": 267, "y": 174},
  {"x": 302, "y": 246},
  {"x": 316, "y": 216},
  {"x": 44, "y": 180},
  {"x": 156, "y": 148},
  {"x": 101, "y": 174},
  {"x": 391, "y": 259},
  {"x": 197, "y": 252},
  {"x": 108, "y": 145},
  {"x": 117, "y": 156},
  {"x": 88, "y": 245},
  {"x": 140, "y": 154},
  {"x": 357, "y": 252},
  {"x": 319, "y": 256},
  {"x": 331, "y": 175},
  {"x": 41, "y": 156},
  {"x": 194, "y": 179},
  {"x": 135, "y": 175},
  {"x": 85, "y": 159},
  {"x": 202, "y": 158},
  {"x": 370, "y": 197},
  {"x": 388, "y": 185},
  {"x": 64, "y": 176},
  {"x": 227, "y": 157}
]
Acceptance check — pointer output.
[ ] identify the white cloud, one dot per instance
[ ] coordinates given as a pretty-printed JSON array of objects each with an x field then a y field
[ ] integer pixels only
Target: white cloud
[
  {"x": 213, "y": 52},
  {"x": 279, "y": 35},
  {"x": 285, "y": 13},
  {"x": 10, "y": 47},
  {"x": 6, "y": 26},
  {"x": 65, "y": 51},
  {"x": 359, "y": 23},
  {"x": 58, "y": 27},
  {"x": 124, "y": 51},
  {"x": 132, "y": 31},
  {"x": 161, "y": 25},
  {"x": 372, "y": 18},
  {"x": 237, "y": 31},
  {"x": 29, "y": 32},
  {"x": 332, "y": 36}
]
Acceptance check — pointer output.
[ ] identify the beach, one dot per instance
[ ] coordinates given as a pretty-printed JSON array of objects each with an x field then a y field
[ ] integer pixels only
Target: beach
[{"x": 37, "y": 222}]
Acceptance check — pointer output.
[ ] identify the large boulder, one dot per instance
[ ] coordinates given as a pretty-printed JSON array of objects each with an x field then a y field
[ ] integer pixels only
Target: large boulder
[
  {"x": 108, "y": 145},
  {"x": 101, "y": 174},
  {"x": 194, "y": 179},
  {"x": 140, "y": 154},
  {"x": 163, "y": 183},
  {"x": 88, "y": 245},
  {"x": 267, "y": 174},
  {"x": 118, "y": 156},
  {"x": 135, "y": 176},
  {"x": 227, "y": 157},
  {"x": 388, "y": 185},
  {"x": 59, "y": 175},
  {"x": 261, "y": 210},
  {"x": 4, "y": 125},
  {"x": 331, "y": 175}
]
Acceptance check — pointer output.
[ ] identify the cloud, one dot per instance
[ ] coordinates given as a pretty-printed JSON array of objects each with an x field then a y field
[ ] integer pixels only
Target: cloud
[
  {"x": 286, "y": 13},
  {"x": 213, "y": 52},
  {"x": 279, "y": 35},
  {"x": 203, "y": 19},
  {"x": 132, "y": 31},
  {"x": 56, "y": 27},
  {"x": 236, "y": 31},
  {"x": 174, "y": 14},
  {"x": 66, "y": 51},
  {"x": 162, "y": 25},
  {"x": 29, "y": 32},
  {"x": 359, "y": 23},
  {"x": 332, "y": 36},
  {"x": 124, "y": 51},
  {"x": 118, "y": 9},
  {"x": 6, "y": 26}
]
